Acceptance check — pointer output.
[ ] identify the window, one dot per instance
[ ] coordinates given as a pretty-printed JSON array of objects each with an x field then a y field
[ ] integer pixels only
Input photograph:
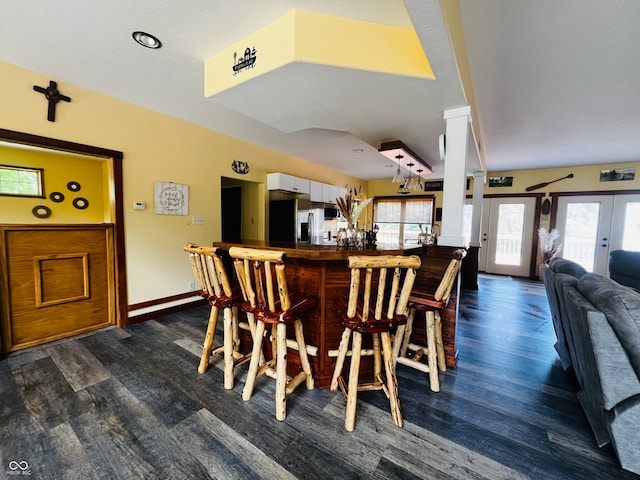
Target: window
[
  {"x": 402, "y": 220},
  {"x": 21, "y": 181}
]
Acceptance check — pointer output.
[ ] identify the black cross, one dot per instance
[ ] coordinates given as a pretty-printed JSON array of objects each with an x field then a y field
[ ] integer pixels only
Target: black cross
[{"x": 52, "y": 94}]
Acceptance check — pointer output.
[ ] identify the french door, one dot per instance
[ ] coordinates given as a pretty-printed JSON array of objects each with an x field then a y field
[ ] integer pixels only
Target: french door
[
  {"x": 507, "y": 235},
  {"x": 591, "y": 226}
]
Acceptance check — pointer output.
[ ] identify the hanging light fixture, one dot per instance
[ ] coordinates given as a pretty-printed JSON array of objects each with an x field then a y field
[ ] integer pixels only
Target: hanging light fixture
[
  {"x": 403, "y": 189},
  {"x": 410, "y": 184},
  {"x": 418, "y": 185},
  {"x": 398, "y": 177}
]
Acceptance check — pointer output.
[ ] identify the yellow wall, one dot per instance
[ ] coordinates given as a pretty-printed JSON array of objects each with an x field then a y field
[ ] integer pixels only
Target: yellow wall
[
  {"x": 585, "y": 179},
  {"x": 155, "y": 147},
  {"x": 59, "y": 169}
]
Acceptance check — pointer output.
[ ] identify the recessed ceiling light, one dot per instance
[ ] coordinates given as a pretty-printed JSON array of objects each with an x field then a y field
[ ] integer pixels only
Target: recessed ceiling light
[
  {"x": 146, "y": 40},
  {"x": 358, "y": 150}
]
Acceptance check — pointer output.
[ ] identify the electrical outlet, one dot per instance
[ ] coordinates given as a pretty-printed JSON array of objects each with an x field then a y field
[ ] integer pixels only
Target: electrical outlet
[{"x": 191, "y": 286}]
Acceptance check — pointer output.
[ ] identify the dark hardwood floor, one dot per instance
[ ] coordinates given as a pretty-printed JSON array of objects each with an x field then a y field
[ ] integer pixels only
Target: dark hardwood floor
[{"x": 121, "y": 404}]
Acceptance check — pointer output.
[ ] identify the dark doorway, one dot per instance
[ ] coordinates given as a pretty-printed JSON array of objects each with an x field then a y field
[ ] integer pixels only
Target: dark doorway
[{"x": 231, "y": 214}]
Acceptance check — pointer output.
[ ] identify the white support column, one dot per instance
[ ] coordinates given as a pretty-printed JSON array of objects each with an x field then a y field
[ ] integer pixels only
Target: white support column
[
  {"x": 455, "y": 176},
  {"x": 479, "y": 179}
]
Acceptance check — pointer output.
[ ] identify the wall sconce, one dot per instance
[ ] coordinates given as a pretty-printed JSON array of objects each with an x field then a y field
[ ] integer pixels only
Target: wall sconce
[{"x": 403, "y": 156}]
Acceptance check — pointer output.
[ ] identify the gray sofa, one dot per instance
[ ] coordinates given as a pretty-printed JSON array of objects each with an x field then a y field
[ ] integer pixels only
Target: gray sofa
[
  {"x": 597, "y": 324},
  {"x": 624, "y": 268}
]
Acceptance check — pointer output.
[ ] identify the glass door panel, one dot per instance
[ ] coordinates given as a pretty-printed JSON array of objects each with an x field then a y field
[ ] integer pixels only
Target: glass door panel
[
  {"x": 507, "y": 233},
  {"x": 584, "y": 223},
  {"x": 581, "y": 233},
  {"x": 631, "y": 234},
  {"x": 510, "y": 234}
]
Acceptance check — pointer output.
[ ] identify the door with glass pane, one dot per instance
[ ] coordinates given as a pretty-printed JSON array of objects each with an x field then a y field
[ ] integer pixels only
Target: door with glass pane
[
  {"x": 507, "y": 234},
  {"x": 592, "y": 226}
]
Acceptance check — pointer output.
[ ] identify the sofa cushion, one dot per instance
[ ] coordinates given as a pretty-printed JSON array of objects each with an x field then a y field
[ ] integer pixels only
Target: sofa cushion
[
  {"x": 562, "y": 265},
  {"x": 624, "y": 268},
  {"x": 621, "y": 305}
]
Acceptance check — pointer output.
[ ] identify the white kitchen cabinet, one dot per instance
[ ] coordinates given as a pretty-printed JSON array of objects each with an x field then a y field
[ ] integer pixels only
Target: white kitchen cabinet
[
  {"x": 316, "y": 190},
  {"x": 287, "y": 183},
  {"x": 329, "y": 193}
]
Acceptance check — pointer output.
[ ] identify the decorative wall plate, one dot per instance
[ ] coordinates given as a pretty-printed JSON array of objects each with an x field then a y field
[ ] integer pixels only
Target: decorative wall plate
[
  {"x": 80, "y": 203},
  {"x": 74, "y": 186},
  {"x": 56, "y": 197},
  {"x": 41, "y": 211},
  {"x": 240, "y": 167}
]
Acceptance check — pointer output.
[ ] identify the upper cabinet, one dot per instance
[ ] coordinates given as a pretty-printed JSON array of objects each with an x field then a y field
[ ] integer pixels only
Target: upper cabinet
[
  {"x": 287, "y": 183},
  {"x": 322, "y": 192},
  {"x": 318, "y": 192}
]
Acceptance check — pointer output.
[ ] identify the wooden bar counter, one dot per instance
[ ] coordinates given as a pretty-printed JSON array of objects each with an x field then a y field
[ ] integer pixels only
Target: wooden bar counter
[{"x": 321, "y": 270}]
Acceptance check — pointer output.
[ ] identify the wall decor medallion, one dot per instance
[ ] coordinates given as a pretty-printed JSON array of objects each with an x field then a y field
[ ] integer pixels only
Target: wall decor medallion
[
  {"x": 240, "y": 167},
  {"x": 171, "y": 198},
  {"x": 80, "y": 203},
  {"x": 56, "y": 197},
  {"x": 74, "y": 186},
  {"x": 41, "y": 211},
  {"x": 248, "y": 60}
]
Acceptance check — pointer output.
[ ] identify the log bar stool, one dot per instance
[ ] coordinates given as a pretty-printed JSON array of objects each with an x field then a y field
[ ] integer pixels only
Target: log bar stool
[
  {"x": 431, "y": 303},
  {"x": 215, "y": 287},
  {"x": 360, "y": 317},
  {"x": 255, "y": 270}
]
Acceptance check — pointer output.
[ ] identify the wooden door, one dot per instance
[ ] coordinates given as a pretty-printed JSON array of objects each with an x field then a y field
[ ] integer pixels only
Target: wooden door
[{"x": 58, "y": 281}]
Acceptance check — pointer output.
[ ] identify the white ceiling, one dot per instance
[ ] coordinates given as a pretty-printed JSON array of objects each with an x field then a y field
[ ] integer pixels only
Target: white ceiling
[{"x": 554, "y": 80}]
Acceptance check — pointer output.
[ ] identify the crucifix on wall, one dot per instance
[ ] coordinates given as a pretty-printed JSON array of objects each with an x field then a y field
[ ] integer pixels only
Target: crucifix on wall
[{"x": 52, "y": 94}]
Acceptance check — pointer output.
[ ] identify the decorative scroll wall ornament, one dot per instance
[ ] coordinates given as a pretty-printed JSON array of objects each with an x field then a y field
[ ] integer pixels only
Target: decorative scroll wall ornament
[
  {"x": 53, "y": 96},
  {"x": 171, "y": 198},
  {"x": 240, "y": 167},
  {"x": 248, "y": 60}
]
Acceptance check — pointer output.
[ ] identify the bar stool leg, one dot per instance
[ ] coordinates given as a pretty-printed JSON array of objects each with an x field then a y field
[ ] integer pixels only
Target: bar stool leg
[
  {"x": 354, "y": 371},
  {"x": 255, "y": 360},
  {"x": 442, "y": 363},
  {"x": 377, "y": 356},
  {"x": 434, "y": 382},
  {"x": 228, "y": 349},
  {"x": 392, "y": 381},
  {"x": 302, "y": 351},
  {"x": 411, "y": 312},
  {"x": 342, "y": 353},
  {"x": 208, "y": 340},
  {"x": 281, "y": 371},
  {"x": 236, "y": 333}
]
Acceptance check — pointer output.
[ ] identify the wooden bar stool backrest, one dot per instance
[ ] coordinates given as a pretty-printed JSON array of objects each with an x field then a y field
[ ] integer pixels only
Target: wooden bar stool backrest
[
  {"x": 390, "y": 294},
  {"x": 209, "y": 270},
  {"x": 255, "y": 270},
  {"x": 448, "y": 279}
]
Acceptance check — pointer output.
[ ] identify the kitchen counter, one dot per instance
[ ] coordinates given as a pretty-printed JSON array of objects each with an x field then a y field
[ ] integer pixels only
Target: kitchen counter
[
  {"x": 321, "y": 270},
  {"x": 309, "y": 251}
]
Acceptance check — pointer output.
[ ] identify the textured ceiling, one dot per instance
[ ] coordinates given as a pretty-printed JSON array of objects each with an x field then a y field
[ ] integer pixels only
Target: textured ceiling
[{"x": 553, "y": 80}]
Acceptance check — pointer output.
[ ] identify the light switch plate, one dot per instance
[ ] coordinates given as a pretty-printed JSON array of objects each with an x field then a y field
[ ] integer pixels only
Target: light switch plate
[{"x": 197, "y": 220}]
